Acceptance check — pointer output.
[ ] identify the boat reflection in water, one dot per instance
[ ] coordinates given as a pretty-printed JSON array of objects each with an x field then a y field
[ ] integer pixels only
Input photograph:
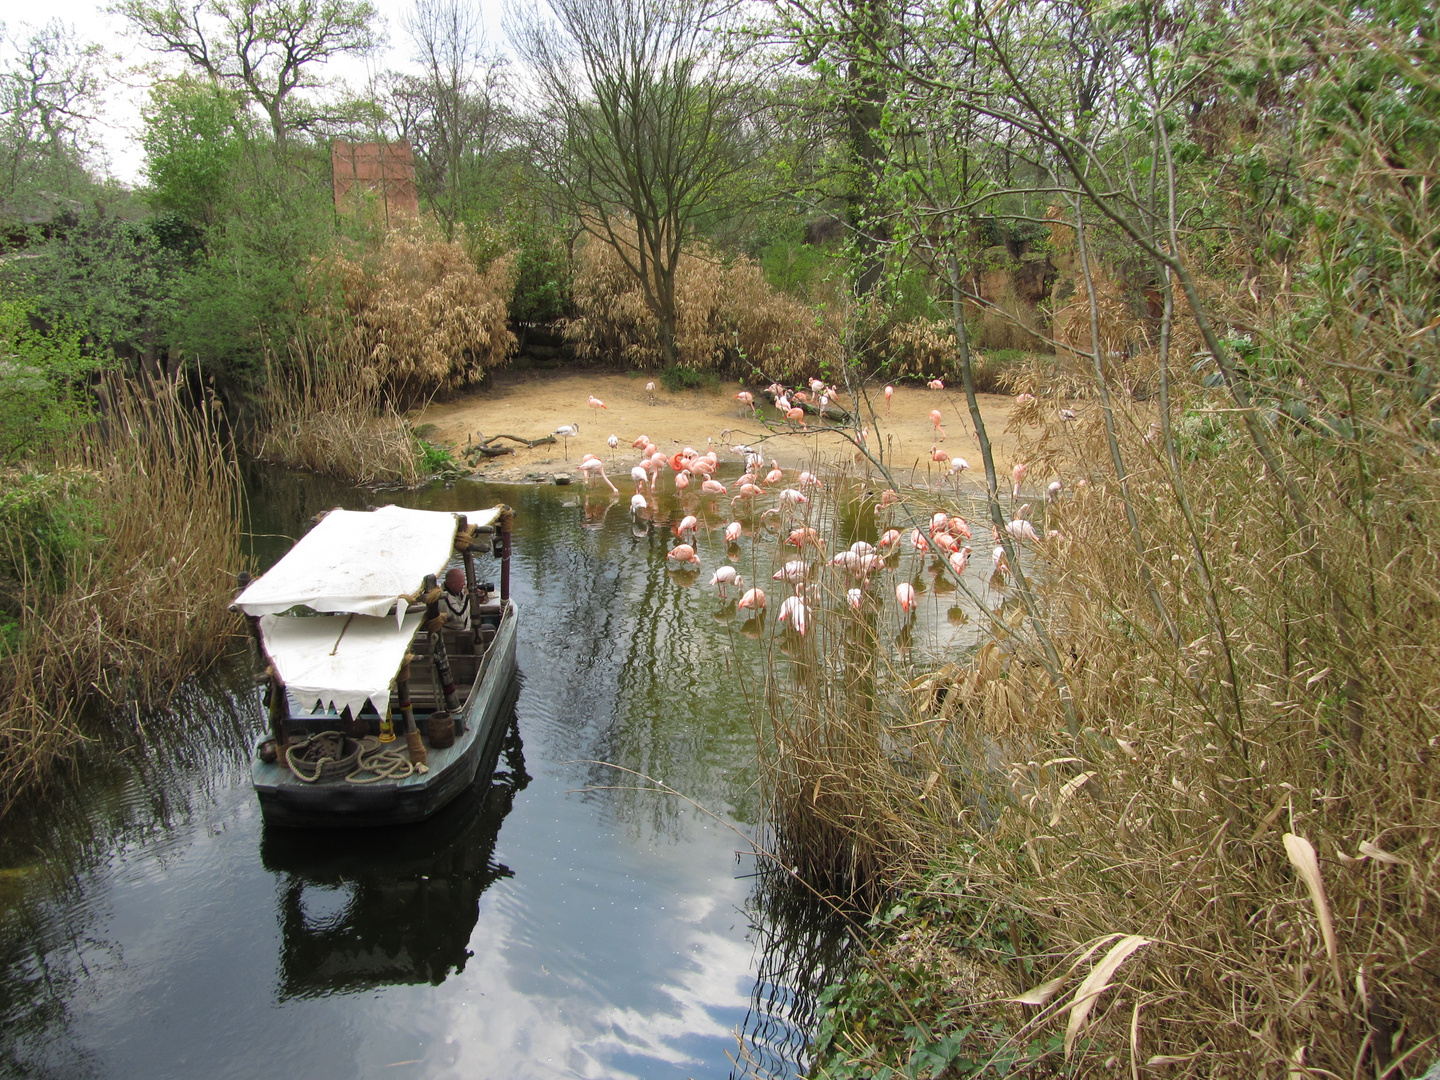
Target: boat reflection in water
[{"x": 362, "y": 909}]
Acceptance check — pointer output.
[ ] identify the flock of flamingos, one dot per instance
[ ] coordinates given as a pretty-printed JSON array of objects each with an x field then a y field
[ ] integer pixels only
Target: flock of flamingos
[{"x": 860, "y": 563}]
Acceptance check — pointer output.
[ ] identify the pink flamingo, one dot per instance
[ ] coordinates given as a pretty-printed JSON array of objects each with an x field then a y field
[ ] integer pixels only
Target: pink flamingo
[
  {"x": 775, "y": 475},
  {"x": 796, "y": 416},
  {"x": 1000, "y": 563},
  {"x": 640, "y": 476},
  {"x": 854, "y": 597},
  {"x": 684, "y": 553},
  {"x": 790, "y": 497},
  {"x": 918, "y": 542},
  {"x": 905, "y": 595},
  {"x": 1021, "y": 528},
  {"x": 793, "y": 610},
  {"x": 640, "y": 441},
  {"x": 754, "y": 600},
  {"x": 889, "y": 393},
  {"x": 794, "y": 571},
  {"x": 650, "y": 389},
  {"x": 817, "y": 386},
  {"x": 712, "y": 487},
  {"x": 595, "y": 403},
  {"x": 732, "y": 532},
  {"x": 1017, "y": 474},
  {"x": 889, "y": 539},
  {"x": 935, "y": 384},
  {"x": 808, "y": 479},
  {"x": 959, "y": 528},
  {"x": 746, "y": 399},
  {"x": 727, "y": 575},
  {"x": 682, "y": 480},
  {"x": 959, "y": 560},
  {"x": 593, "y": 465},
  {"x": 935, "y": 419},
  {"x": 686, "y": 529},
  {"x": 938, "y": 521}
]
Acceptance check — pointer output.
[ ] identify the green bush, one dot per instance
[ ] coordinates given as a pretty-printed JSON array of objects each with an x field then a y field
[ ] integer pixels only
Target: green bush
[
  {"x": 43, "y": 374},
  {"x": 678, "y": 377}
]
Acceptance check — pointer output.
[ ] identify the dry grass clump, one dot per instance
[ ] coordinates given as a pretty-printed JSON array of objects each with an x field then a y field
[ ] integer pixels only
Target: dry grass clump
[
  {"x": 425, "y": 318},
  {"x": 1213, "y": 744},
  {"x": 322, "y": 413},
  {"x": 925, "y": 349},
  {"x": 729, "y": 319},
  {"x": 131, "y": 596}
]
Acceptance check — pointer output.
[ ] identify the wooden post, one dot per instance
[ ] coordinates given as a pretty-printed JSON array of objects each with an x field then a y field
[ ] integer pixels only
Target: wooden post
[
  {"x": 435, "y": 624},
  {"x": 507, "y": 517},
  {"x": 279, "y": 704},
  {"x": 418, "y": 756}
]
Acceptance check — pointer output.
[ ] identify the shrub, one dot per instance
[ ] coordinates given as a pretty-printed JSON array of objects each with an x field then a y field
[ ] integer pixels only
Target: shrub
[
  {"x": 42, "y": 377},
  {"x": 730, "y": 320},
  {"x": 425, "y": 318}
]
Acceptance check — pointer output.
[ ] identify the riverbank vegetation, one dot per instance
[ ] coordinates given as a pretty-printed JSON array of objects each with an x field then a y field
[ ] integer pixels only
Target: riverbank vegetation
[{"x": 1176, "y": 814}]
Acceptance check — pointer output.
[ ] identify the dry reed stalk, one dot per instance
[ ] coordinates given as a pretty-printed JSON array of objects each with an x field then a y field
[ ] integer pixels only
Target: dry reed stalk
[
  {"x": 322, "y": 413},
  {"x": 1200, "y": 749},
  {"x": 144, "y": 604}
]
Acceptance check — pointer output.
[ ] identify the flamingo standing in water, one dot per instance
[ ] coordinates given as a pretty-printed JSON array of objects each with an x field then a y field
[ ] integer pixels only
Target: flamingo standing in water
[
  {"x": 684, "y": 553},
  {"x": 592, "y": 465},
  {"x": 1017, "y": 474},
  {"x": 712, "y": 487},
  {"x": 727, "y": 575},
  {"x": 905, "y": 596},
  {"x": 754, "y": 600},
  {"x": 641, "y": 478},
  {"x": 686, "y": 529},
  {"x": 682, "y": 481},
  {"x": 959, "y": 560},
  {"x": 794, "y": 611},
  {"x": 732, "y": 532}
]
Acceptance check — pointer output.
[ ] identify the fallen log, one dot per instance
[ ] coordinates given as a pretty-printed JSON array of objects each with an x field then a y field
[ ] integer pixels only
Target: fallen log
[{"x": 531, "y": 443}]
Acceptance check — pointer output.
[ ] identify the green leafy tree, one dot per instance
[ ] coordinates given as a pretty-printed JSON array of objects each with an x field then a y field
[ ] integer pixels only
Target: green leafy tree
[
  {"x": 43, "y": 375},
  {"x": 194, "y": 141}
]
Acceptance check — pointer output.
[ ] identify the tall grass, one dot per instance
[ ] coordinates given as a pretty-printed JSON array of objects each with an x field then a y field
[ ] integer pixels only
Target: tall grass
[
  {"x": 130, "y": 594},
  {"x": 321, "y": 412}
]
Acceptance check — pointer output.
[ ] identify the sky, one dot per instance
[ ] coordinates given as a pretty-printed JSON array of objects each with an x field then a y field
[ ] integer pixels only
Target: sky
[{"x": 119, "y": 125}]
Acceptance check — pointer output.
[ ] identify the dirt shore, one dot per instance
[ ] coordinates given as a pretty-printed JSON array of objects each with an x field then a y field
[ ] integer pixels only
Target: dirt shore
[{"x": 534, "y": 405}]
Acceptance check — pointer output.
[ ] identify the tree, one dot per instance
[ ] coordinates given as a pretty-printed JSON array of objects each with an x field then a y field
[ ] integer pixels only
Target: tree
[
  {"x": 49, "y": 92},
  {"x": 452, "y": 113},
  {"x": 194, "y": 140},
  {"x": 266, "y": 49},
  {"x": 641, "y": 126}
]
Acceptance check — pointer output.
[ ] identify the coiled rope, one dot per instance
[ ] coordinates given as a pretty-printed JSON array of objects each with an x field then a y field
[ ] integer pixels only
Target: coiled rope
[{"x": 372, "y": 763}]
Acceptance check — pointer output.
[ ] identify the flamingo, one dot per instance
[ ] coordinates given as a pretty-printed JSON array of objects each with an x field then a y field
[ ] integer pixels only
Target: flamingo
[
  {"x": 640, "y": 476},
  {"x": 848, "y": 559},
  {"x": 796, "y": 416},
  {"x": 1054, "y": 491},
  {"x": 789, "y": 497},
  {"x": 567, "y": 432},
  {"x": 686, "y": 529},
  {"x": 732, "y": 532},
  {"x": 959, "y": 560},
  {"x": 684, "y": 553},
  {"x": 794, "y": 571},
  {"x": 861, "y": 548},
  {"x": 638, "y": 503},
  {"x": 682, "y": 480},
  {"x": 754, "y": 600},
  {"x": 1024, "y": 399},
  {"x": 798, "y": 538},
  {"x": 905, "y": 595},
  {"x": 650, "y": 389},
  {"x": 935, "y": 419},
  {"x": 793, "y": 610},
  {"x": 640, "y": 441},
  {"x": 889, "y": 539},
  {"x": 999, "y": 562},
  {"x": 593, "y": 465},
  {"x": 727, "y": 575},
  {"x": 889, "y": 393},
  {"x": 1020, "y": 527},
  {"x": 747, "y": 491},
  {"x": 936, "y": 454},
  {"x": 612, "y": 442},
  {"x": 595, "y": 403},
  {"x": 808, "y": 479},
  {"x": 918, "y": 542},
  {"x": 959, "y": 528},
  {"x": 854, "y": 597},
  {"x": 1067, "y": 415},
  {"x": 817, "y": 386},
  {"x": 1017, "y": 474},
  {"x": 946, "y": 543},
  {"x": 958, "y": 465},
  {"x": 775, "y": 475},
  {"x": 935, "y": 384},
  {"x": 712, "y": 487},
  {"x": 747, "y": 401},
  {"x": 938, "y": 521}
]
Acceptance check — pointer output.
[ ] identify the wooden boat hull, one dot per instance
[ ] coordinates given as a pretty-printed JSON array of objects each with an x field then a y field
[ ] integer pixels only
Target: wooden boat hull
[{"x": 289, "y": 802}]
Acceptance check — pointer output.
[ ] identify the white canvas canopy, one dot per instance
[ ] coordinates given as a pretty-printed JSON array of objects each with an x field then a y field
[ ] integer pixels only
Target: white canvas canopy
[
  {"x": 359, "y": 562},
  {"x": 338, "y": 661}
]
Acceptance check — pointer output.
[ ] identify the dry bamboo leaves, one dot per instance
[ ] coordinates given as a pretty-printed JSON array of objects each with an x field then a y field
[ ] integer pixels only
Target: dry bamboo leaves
[
  {"x": 1094, "y": 984},
  {"x": 1302, "y": 856}
]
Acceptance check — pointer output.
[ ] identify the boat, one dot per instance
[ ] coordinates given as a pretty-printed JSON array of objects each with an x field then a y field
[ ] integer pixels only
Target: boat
[{"x": 383, "y": 705}]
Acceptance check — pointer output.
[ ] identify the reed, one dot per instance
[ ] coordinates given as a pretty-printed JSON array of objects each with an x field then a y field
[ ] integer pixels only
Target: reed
[
  {"x": 1206, "y": 730},
  {"x": 135, "y": 599},
  {"x": 324, "y": 412}
]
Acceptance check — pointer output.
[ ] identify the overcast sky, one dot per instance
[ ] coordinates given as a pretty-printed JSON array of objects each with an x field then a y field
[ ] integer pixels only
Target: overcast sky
[{"x": 121, "y": 122}]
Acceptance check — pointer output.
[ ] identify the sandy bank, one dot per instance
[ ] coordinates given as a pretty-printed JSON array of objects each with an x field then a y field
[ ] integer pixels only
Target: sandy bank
[{"x": 533, "y": 405}]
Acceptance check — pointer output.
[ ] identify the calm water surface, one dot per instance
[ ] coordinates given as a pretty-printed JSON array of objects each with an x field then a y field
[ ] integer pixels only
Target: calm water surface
[{"x": 555, "y": 921}]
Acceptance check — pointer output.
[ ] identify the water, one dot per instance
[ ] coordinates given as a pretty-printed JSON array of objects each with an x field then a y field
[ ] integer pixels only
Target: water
[{"x": 558, "y": 920}]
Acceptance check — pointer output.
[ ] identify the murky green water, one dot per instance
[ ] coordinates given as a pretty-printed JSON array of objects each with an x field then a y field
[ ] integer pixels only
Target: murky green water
[{"x": 556, "y": 921}]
